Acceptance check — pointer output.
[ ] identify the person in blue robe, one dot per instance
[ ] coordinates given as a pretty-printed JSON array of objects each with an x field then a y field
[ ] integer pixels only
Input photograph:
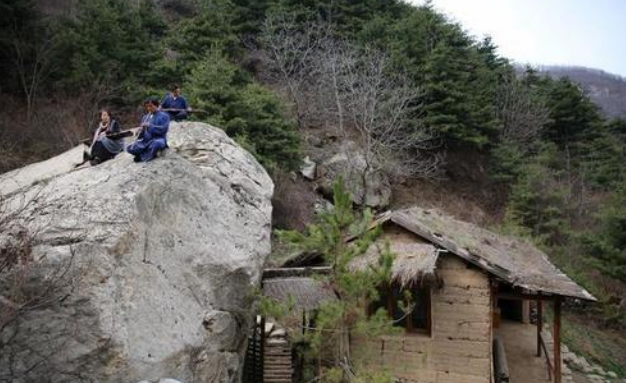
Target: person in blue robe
[
  {"x": 175, "y": 104},
  {"x": 153, "y": 135}
]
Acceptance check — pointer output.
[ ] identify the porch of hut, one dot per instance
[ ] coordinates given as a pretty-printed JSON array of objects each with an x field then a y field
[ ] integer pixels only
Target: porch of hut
[{"x": 529, "y": 352}]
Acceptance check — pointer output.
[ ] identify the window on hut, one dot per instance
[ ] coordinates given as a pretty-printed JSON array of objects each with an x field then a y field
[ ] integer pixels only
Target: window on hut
[{"x": 392, "y": 298}]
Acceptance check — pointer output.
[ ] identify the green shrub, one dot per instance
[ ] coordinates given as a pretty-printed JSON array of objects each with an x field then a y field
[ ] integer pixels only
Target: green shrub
[
  {"x": 109, "y": 42},
  {"x": 253, "y": 115}
]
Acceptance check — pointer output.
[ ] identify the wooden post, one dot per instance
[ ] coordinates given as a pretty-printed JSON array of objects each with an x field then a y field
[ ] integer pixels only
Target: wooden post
[
  {"x": 262, "y": 337},
  {"x": 557, "y": 341},
  {"x": 539, "y": 325}
]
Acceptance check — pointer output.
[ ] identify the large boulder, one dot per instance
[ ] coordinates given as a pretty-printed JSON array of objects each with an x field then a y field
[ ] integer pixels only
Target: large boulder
[
  {"x": 136, "y": 271},
  {"x": 366, "y": 188}
]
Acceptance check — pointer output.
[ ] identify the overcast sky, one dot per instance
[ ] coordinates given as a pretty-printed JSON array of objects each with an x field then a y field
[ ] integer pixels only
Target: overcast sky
[{"x": 589, "y": 33}]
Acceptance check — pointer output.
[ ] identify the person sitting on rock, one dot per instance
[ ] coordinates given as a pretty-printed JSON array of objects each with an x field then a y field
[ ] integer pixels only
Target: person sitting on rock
[
  {"x": 104, "y": 148},
  {"x": 175, "y": 104},
  {"x": 152, "y": 137}
]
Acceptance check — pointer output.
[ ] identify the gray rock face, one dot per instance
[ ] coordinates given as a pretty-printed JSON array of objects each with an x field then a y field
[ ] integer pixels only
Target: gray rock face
[
  {"x": 138, "y": 271},
  {"x": 373, "y": 190},
  {"x": 308, "y": 169}
]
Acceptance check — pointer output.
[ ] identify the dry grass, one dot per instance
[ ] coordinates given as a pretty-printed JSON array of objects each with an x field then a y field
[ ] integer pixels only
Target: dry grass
[
  {"x": 412, "y": 263},
  {"x": 602, "y": 346}
]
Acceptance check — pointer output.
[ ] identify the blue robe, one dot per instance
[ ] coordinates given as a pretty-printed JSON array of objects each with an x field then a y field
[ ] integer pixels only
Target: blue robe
[
  {"x": 153, "y": 138},
  {"x": 169, "y": 102}
]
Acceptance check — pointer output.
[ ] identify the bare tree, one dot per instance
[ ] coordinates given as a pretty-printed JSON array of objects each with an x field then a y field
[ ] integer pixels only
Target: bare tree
[
  {"x": 357, "y": 91},
  {"x": 70, "y": 125},
  {"x": 31, "y": 61},
  {"x": 523, "y": 115},
  {"x": 29, "y": 286},
  {"x": 384, "y": 108},
  {"x": 290, "y": 48}
]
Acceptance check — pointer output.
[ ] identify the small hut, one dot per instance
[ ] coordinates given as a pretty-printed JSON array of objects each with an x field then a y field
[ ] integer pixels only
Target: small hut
[
  {"x": 270, "y": 357},
  {"x": 463, "y": 279}
]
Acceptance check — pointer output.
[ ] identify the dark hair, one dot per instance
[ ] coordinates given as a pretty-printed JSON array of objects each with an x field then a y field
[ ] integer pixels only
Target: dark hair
[
  {"x": 174, "y": 87},
  {"x": 152, "y": 100},
  {"x": 107, "y": 111}
]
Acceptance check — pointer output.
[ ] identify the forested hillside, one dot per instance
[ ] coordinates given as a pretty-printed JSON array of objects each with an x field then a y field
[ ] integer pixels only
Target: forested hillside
[{"x": 440, "y": 114}]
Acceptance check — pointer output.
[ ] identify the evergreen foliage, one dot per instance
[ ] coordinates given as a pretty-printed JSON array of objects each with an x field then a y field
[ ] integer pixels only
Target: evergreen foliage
[
  {"x": 608, "y": 248},
  {"x": 109, "y": 42},
  {"x": 328, "y": 341},
  {"x": 538, "y": 201},
  {"x": 458, "y": 75},
  {"x": 213, "y": 28},
  {"x": 251, "y": 114},
  {"x": 574, "y": 118},
  {"x": 607, "y": 155},
  {"x": 20, "y": 26}
]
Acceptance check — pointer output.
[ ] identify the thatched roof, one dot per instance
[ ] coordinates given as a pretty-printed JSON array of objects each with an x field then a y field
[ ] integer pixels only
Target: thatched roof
[
  {"x": 512, "y": 259},
  {"x": 307, "y": 293},
  {"x": 413, "y": 261}
]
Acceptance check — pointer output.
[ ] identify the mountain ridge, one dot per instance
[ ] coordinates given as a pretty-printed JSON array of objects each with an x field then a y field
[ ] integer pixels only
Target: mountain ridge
[{"x": 607, "y": 90}]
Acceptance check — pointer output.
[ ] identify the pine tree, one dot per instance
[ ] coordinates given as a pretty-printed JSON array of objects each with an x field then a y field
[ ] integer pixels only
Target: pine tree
[
  {"x": 457, "y": 76},
  {"x": 537, "y": 202},
  {"x": 608, "y": 246},
  {"x": 214, "y": 28},
  {"x": 251, "y": 114},
  {"x": 606, "y": 155},
  {"x": 574, "y": 118},
  {"x": 335, "y": 320},
  {"x": 110, "y": 42}
]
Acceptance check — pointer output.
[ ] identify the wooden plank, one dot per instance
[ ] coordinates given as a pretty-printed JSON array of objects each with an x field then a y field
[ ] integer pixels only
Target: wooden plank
[
  {"x": 261, "y": 330},
  {"x": 539, "y": 326},
  {"x": 295, "y": 272},
  {"x": 545, "y": 350},
  {"x": 522, "y": 296},
  {"x": 500, "y": 363},
  {"x": 557, "y": 341}
]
